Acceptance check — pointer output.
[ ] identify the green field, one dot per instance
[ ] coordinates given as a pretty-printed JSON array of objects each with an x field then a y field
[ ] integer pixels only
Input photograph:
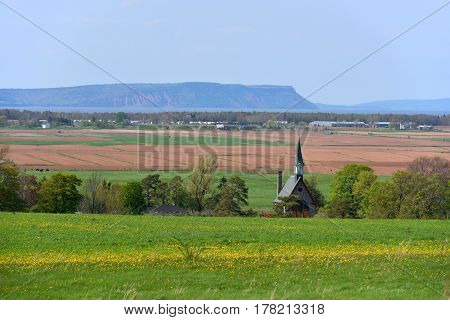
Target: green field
[
  {"x": 262, "y": 187},
  {"x": 45, "y": 256},
  {"x": 148, "y": 139}
]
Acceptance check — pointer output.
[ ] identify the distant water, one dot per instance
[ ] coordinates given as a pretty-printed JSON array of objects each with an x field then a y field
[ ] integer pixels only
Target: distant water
[{"x": 149, "y": 109}]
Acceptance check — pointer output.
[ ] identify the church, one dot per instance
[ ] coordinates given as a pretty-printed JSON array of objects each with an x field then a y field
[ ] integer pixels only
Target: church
[{"x": 295, "y": 185}]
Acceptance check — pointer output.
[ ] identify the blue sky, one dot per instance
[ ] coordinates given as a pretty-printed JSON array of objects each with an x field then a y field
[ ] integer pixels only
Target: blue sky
[{"x": 291, "y": 42}]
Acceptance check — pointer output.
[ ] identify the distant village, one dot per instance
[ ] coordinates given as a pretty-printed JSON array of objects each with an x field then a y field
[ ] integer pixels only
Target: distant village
[
  {"x": 380, "y": 124},
  {"x": 219, "y": 120},
  {"x": 45, "y": 124},
  {"x": 223, "y": 125}
]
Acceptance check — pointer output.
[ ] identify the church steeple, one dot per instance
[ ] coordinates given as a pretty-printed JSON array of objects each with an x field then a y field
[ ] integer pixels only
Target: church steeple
[{"x": 298, "y": 168}]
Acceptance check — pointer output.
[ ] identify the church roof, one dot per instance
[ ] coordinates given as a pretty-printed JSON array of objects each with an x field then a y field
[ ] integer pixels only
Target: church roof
[{"x": 290, "y": 186}]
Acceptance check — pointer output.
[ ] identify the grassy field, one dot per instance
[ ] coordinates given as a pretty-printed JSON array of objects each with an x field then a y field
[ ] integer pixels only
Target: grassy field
[
  {"x": 45, "y": 256},
  {"x": 148, "y": 139},
  {"x": 262, "y": 187}
]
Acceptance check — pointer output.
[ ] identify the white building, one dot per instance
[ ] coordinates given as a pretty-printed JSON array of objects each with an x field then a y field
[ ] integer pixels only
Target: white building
[{"x": 45, "y": 124}]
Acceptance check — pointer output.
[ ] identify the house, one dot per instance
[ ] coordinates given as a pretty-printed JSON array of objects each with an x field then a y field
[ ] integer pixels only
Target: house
[
  {"x": 405, "y": 125},
  {"x": 295, "y": 185},
  {"x": 44, "y": 124}
]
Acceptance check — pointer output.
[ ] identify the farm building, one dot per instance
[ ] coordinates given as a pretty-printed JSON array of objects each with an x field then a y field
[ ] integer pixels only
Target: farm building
[
  {"x": 350, "y": 124},
  {"x": 424, "y": 127},
  {"x": 296, "y": 186},
  {"x": 44, "y": 124},
  {"x": 381, "y": 125}
]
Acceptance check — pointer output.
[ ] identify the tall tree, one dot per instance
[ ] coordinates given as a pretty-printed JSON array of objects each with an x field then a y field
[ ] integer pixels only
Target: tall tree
[
  {"x": 342, "y": 190},
  {"x": 316, "y": 194},
  {"x": 361, "y": 190},
  {"x": 28, "y": 190},
  {"x": 133, "y": 198},
  {"x": 9, "y": 189},
  {"x": 94, "y": 200},
  {"x": 150, "y": 185},
  {"x": 178, "y": 194},
  {"x": 232, "y": 195},
  {"x": 201, "y": 182},
  {"x": 4, "y": 150},
  {"x": 162, "y": 193},
  {"x": 59, "y": 194},
  {"x": 431, "y": 165}
]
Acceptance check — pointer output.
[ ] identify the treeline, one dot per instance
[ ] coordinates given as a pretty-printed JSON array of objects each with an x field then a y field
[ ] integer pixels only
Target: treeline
[
  {"x": 199, "y": 194},
  {"x": 420, "y": 192},
  {"x": 31, "y": 118}
]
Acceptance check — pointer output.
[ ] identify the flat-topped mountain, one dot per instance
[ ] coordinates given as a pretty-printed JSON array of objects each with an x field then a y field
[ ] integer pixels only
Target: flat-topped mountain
[{"x": 179, "y": 95}]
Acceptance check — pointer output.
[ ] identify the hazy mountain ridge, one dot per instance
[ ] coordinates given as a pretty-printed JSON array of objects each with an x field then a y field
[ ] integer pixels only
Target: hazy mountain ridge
[
  {"x": 197, "y": 96},
  {"x": 406, "y": 106},
  {"x": 190, "y": 94}
]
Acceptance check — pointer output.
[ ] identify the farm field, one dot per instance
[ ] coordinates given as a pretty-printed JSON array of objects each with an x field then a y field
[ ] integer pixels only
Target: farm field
[
  {"x": 57, "y": 256},
  {"x": 244, "y": 151}
]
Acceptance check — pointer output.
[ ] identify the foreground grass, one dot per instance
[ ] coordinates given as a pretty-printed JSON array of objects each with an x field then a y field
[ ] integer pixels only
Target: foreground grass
[
  {"x": 44, "y": 256},
  {"x": 262, "y": 187}
]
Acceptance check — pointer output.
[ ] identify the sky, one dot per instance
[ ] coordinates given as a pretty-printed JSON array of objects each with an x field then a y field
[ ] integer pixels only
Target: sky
[{"x": 286, "y": 42}]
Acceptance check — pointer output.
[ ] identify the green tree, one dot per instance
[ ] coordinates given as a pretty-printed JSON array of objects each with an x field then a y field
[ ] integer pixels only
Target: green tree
[
  {"x": 162, "y": 193},
  {"x": 121, "y": 116},
  {"x": 178, "y": 194},
  {"x": 113, "y": 198},
  {"x": 232, "y": 195},
  {"x": 3, "y": 121},
  {"x": 316, "y": 194},
  {"x": 94, "y": 194},
  {"x": 430, "y": 200},
  {"x": 360, "y": 192},
  {"x": 339, "y": 207},
  {"x": 383, "y": 201},
  {"x": 10, "y": 199},
  {"x": 342, "y": 190},
  {"x": 286, "y": 205},
  {"x": 59, "y": 194},
  {"x": 150, "y": 185},
  {"x": 132, "y": 197},
  {"x": 4, "y": 150},
  {"x": 28, "y": 190},
  {"x": 201, "y": 182},
  {"x": 345, "y": 178},
  {"x": 410, "y": 195}
]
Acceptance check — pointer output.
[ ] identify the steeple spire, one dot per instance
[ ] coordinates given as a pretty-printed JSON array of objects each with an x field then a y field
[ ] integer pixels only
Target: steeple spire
[{"x": 298, "y": 168}]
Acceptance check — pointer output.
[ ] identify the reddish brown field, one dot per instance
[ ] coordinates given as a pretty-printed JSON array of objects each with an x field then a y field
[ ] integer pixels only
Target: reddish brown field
[{"x": 385, "y": 152}]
